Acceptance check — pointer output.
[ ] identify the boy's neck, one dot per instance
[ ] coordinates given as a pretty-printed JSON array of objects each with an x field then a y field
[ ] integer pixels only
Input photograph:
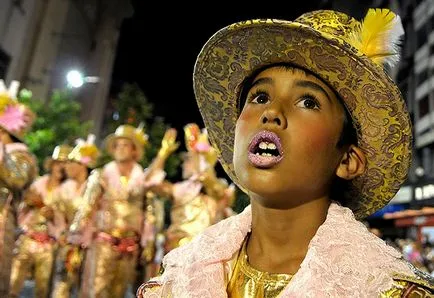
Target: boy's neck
[
  {"x": 280, "y": 238},
  {"x": 125, "y": 167}
]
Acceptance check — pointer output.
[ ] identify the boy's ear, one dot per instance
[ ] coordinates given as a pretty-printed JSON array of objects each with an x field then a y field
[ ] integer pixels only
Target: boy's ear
[{"x": 353, "y": 163}]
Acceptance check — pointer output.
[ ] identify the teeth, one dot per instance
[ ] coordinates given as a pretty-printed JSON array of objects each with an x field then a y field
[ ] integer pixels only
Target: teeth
[
  {"x": 266, "y": 154},
  {"x": 266, "y": 145},
  {"x": 263, "y": 145}
]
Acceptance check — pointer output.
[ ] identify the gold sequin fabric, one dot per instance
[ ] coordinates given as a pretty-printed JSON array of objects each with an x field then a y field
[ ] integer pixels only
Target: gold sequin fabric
[
  {"x": 407, "y": 289},
  {"x": 320, "y": 43},
  {"x": 248, "y": 282}
]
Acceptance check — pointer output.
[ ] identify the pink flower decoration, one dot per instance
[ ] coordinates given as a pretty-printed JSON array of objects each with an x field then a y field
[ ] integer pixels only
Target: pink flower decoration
[
  {"x": 85, "y": 160},
  {"x": 202, "y": 147},
  {"x": 13, "y": 118}
]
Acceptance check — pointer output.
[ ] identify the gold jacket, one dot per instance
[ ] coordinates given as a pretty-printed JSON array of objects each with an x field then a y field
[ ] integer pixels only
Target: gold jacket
[
  {"x": 17, "y": 170},
  {"x": 115, "y": 204}
]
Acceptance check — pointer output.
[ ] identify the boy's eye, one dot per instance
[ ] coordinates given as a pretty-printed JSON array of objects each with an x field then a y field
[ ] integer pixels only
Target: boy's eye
[
  {"x": 308, "y": 102},
  {"x": 259, "y": 98}
]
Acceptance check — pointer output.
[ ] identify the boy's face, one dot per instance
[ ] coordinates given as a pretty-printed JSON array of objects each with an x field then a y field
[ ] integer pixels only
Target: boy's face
[
  {"x": 57, "y": 169},
  {"x": 124, "y": 150},
  {"x": 285, "y": 150},
  {"x": 74, "y": 169}
]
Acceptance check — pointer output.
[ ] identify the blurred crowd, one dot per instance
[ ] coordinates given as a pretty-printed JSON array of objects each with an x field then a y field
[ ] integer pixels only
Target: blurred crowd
[{"x": 420, "y": 254}]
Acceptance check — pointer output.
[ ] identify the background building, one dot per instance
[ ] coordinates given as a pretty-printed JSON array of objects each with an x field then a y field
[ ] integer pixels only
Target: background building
[{"x": 41, "y": 40}]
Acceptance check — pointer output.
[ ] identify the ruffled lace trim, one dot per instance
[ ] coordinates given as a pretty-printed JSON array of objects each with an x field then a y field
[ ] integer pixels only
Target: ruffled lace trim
[{"x": 343, "y": 260}]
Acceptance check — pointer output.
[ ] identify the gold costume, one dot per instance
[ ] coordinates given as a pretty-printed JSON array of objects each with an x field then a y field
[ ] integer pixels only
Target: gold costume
[
  {"x": 37, "y": 254},
  {"x": 70, "y": 199},
  {"x": 194, "y": 209},
  {"x": 116, "y": 205},
  {"x": 17, "y": 169},
  {"x": 200, "y": 200},
  {"x": 114, "y": 250},
  {"x": 249, "y": 282},
  {"x": 69, "y": 256},
  {"x": 35, "y": 247}
]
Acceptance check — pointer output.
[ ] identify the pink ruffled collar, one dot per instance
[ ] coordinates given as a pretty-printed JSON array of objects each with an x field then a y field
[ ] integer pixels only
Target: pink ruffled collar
[
  {"x": 112, "y": 176},
  {"x": 343, "y": 260},
  {"x": 16, "y": 147},
  {"x": 40, "y": 185}
]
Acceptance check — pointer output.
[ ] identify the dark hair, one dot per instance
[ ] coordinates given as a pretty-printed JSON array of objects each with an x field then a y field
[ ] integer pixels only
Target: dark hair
[
  {"x": 15, "y": 139},
  {"x": 348, "y": 135}
]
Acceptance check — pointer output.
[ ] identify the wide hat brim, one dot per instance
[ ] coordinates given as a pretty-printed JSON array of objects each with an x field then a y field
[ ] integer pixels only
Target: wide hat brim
[
  {"x": 48, "y": 162},
  {"x": 375, "y": 103},
  {"x": 110, "y": 140}
]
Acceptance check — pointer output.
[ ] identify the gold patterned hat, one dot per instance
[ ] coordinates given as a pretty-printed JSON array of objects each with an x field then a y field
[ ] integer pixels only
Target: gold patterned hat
[
  {"x": 60, "y": 153},
  {"x": 15, "y": 117},
  {"x": 346, "y": 54},
  {"x": 136, "y": 135},
  {"x": 85, "y": 152}
]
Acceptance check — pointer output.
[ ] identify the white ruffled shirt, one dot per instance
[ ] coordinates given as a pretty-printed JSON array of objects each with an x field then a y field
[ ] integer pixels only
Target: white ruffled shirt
[{"x": 343, "y": 260}]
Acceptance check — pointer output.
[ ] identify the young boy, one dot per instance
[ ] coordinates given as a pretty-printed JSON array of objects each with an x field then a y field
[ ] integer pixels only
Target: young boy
[{"x": 308, "y": 123}]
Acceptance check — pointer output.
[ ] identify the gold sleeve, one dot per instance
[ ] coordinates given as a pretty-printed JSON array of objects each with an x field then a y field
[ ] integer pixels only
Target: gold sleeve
[
  {"x": 419, "y": 286},
  {"x": 214, "y": 186},
  {"x": 17, "y": 169},
  {"x": 92, "y": 192}
]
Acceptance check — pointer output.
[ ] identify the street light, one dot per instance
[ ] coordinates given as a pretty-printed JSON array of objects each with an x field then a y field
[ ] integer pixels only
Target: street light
[{"x": 76, "y": 79}]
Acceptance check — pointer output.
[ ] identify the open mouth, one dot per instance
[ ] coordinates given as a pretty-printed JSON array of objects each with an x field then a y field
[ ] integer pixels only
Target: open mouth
[{"x": 265, "y": 149}]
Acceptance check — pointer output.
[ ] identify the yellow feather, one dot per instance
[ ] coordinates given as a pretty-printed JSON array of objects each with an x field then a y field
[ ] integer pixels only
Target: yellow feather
[{"x": 379, "y": 36}]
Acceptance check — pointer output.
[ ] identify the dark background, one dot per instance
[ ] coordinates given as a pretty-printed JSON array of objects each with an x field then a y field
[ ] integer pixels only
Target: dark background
[{"x": 158, "y": 47}]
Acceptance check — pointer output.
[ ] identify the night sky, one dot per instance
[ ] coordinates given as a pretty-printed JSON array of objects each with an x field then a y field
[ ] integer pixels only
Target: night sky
[{"x": 158, "y": 47}]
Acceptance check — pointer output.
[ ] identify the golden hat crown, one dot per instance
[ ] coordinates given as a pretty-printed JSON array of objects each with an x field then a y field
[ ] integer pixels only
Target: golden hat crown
[
  {"x": 136, "y": 134},
  {"x": 85, "y": 152},
  {"x": 61, "y": 152}
]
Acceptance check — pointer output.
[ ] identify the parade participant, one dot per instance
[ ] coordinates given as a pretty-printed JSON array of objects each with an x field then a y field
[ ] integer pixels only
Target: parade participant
[
  {"x": 68, "y": 199},
  {"x": 153, "y": 240},
  {"x": 35, "y": 246},
  {"x": 306, "y": 120},
  {"x": 201, "y": 198},
  {"x": 115, "y": 204},
  {"x": 18, "y": 167}
]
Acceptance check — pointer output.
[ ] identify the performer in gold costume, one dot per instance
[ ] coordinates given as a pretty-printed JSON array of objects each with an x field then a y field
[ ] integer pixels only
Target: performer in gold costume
[
  {"x": 309, "y": 124},
  {"x": 18, "y": 168},
  {"x": 202, "y": 198},
  {"x": 68, "y": 199},
  {"x": 114, "y": 202},
  {"x": 35, "y": 246},
  {"x": 153, "y": 239}
]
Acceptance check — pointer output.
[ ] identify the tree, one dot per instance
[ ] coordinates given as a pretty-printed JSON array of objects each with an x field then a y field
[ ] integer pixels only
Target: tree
[
  {"x": 57, "y": 122},
  {"x": 132, "y": 107}
]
